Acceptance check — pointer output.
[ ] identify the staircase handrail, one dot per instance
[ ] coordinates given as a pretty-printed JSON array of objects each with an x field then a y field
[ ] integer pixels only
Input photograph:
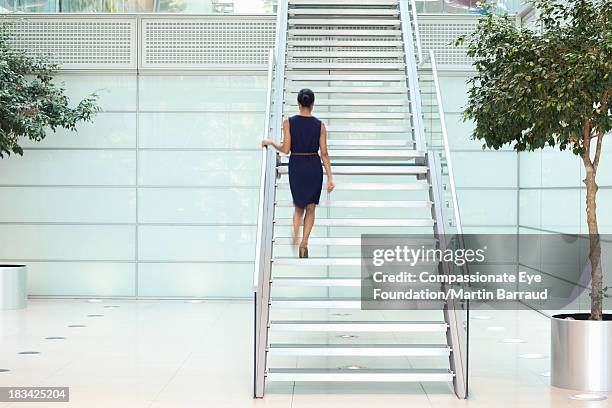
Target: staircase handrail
[
  {"x": 413, "y": 78},
  {"x": 417, "y": 31},
  {"x": 262, "y": 291},
  {"x": 445, "y": 141},
  {"x": 263, "y": 176}
]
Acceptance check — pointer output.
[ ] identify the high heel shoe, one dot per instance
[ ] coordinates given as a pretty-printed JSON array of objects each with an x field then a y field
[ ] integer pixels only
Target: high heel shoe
[{"x": 303, "y": 252}]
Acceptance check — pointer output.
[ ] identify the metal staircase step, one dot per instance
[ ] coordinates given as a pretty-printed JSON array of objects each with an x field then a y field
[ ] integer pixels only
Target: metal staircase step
[
  {"x": 336, "y": 282},
  {"x": 374, "y": 350},
  {"x": 315, "y": 303},
  {"x": 371, "y": 186},
  {"x": 345, "y": 78},
  {"x": 364, "y": 204},
  {"x": 313, "y": 32},
  {"x": 345, "y": 43},
  {"x": 356, "y": 89},
  {"x": 370, "y": 143},
  {"x": 361, "y": 102},
  {"x": 369, "y": 128},
  {"x": 331, "y": 11},
  {"x": 338, "y": 22},
  {"x": 367, "y": 170},
  {"x": 316, "y": 241},
  {"x": 373, "y": 326},
  {"x": 369, "y": 66},
  {"x": 345, "y": 54},
  {"x": 364, "y": 222},
  {"x": 362, "y": 115},
  {"x": 318, "y": 261},
  {"x": 363, "y": 375},
  {"x": 371, "y": 154},
  {"x": 343, "y": 3},
  {"x": 332, "y": 262}
]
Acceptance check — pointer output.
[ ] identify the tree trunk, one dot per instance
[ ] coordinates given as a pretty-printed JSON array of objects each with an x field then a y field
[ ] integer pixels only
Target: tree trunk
[{"x": 595, "y": 244}]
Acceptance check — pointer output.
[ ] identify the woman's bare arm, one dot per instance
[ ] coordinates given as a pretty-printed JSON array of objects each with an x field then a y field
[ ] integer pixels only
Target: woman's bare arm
[
  {"x": 285, "y": 146},
  {"x": 325, "y": 158}
]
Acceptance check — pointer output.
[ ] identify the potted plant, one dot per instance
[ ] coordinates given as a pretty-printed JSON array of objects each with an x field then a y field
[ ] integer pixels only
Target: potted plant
[
  {"x": 552, "y": 87},
  {"x": 31, "y": 104}
]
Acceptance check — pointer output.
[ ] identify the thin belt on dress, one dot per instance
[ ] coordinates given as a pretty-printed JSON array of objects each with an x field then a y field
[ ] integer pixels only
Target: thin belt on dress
[{"x": 304, "y": 154}]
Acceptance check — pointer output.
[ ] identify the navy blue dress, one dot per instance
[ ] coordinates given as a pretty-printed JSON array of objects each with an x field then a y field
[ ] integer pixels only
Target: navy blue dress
[{"x": 305, "y": 171}]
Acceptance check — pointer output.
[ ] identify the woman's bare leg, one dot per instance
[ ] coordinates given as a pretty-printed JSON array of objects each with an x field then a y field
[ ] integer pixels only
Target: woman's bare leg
[
  {"x": 309, "y": 220},
  {"x": 298, "y": 216}
]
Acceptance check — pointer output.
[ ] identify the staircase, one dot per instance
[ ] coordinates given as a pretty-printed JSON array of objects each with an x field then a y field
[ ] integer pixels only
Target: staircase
[{"x": 360, "y": 58}]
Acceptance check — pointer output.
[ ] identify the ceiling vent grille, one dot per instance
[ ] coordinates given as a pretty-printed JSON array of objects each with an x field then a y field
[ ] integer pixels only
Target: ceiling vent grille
[
  {"x": 206, "y": 43},
  {"x": 82, "y": 43}
]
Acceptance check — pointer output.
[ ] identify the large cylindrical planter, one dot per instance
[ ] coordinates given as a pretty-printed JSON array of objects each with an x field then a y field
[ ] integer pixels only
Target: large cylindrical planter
[
  {"x": 581, "y": 353},
  {"x": 13, "y": 287}
]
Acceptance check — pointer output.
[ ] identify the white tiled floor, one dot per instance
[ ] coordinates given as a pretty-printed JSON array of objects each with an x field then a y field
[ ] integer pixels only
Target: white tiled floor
[{"x": 171, "y": 354}]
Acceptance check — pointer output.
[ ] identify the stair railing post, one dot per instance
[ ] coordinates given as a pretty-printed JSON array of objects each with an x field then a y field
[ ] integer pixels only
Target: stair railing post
[
  {"x": 445, "y": 141},
  {"x": 455, "y": 334},
  {"x": 262, "y": 234},
  {"x": 276, "y": 89},
  {"x": 411, "y": 63},
  {"x": 417, "y": 32}
]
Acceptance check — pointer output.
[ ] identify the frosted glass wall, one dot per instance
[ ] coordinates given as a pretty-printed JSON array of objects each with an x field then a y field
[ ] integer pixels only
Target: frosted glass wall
[
  {"x": 553, "y": 200},
  {"x": 552, "y": 194},
  {"x": 486, "y": 180},
  {"x": 156, "y": 198}
]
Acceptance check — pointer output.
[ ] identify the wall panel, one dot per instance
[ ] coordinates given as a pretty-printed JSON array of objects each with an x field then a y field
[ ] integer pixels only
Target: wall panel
[
  {"x": 170, "y": 167},
  {"x": 67, "y": 242},
  {"x": 196, "y": 279},
  {"x": 198, "y": 205},
  {"x": 116, "y": 92},
  {"x": 197, "y": 93},
  {"x": 196, "y": 243},
  {"x": 91, "y": 279},
  {"x": 70, "y": 167},
  {"x": 199, "y": 168},
  {"x": 109, "y": 130},
  {"x": 206, "y": 130},
  {"x": 68, "y": 205},
  {"x": 485, "y": 169},
  {"x": 490, "y": 207}
]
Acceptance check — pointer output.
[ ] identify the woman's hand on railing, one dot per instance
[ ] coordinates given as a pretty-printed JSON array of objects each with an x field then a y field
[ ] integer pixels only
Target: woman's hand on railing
[{"x": 266, "y": 143}]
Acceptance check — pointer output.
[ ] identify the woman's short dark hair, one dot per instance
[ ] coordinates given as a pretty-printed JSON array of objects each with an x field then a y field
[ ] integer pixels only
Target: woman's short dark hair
[{"x": 306, "y": 98}]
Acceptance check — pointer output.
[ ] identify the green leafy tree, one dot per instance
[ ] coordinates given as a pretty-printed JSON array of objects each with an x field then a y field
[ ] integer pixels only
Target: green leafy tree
[
  {"x": 548, "y": 86},
  {"x": 31, "y": 103}
]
